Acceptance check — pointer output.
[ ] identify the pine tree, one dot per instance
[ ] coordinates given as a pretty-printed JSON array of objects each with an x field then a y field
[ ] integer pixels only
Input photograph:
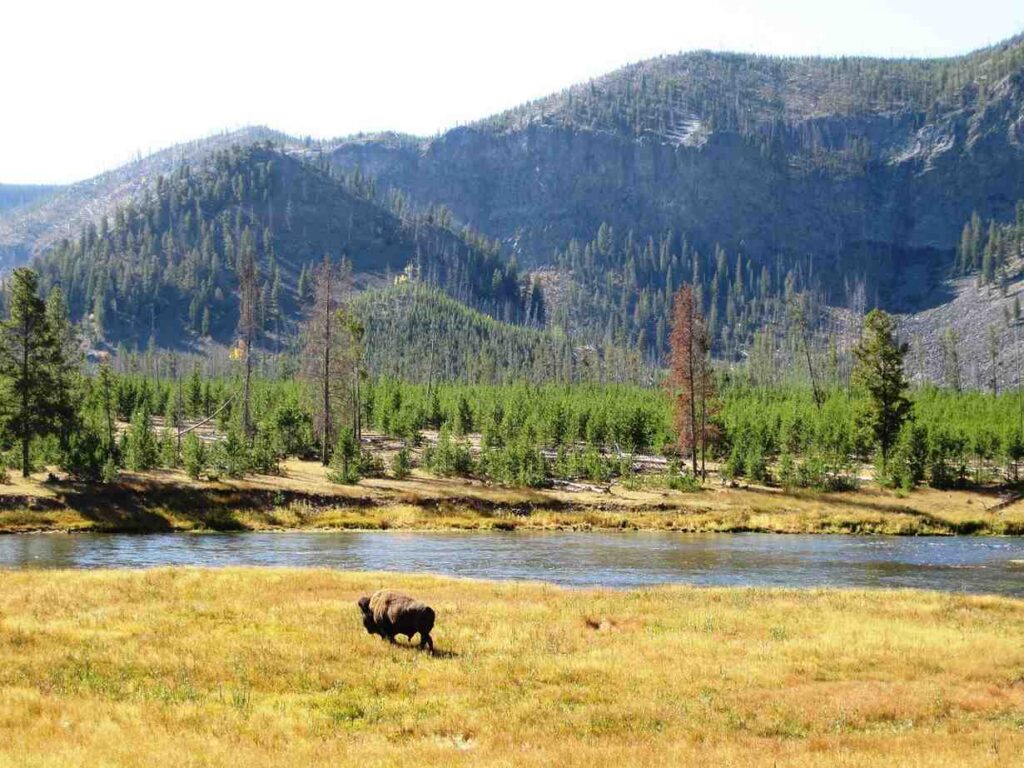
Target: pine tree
[
  {"x": 949, "y": 344},
  {"x": 30, "y": 366},
  {"x": 993, "y": 358},
  {"x": 195, "y": 393},
  {"x": 105, "y": 383},
  {"x": 141, "y": 448},
  {"x": 880, "y": 357},
  {"x": 345, "y": 459},
  {"x": 67, "y": 362},
  {"x": 194, "y": 456}
]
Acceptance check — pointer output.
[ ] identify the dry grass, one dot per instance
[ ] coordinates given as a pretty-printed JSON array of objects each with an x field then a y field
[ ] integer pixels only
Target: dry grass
[
  {"x": 303, "y": 498},
  {"x": 272, "y": 667}
]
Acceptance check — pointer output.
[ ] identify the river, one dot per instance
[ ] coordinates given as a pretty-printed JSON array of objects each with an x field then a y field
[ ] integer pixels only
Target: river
[{"x": 959, "y": 563}]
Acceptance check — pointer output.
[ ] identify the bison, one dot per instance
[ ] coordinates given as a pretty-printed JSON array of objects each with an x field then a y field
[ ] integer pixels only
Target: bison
[{"x": 387, "y": 613}]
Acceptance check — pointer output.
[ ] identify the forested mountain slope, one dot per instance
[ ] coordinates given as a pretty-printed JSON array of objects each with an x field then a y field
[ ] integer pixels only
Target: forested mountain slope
[
  {"x": 417, "y": 333},
  {"x": 26, "y": 230},
  {"x": 164, "y": 267},
  {"x": 867, "y": 167},
  {"x": 853, "y": 182}
]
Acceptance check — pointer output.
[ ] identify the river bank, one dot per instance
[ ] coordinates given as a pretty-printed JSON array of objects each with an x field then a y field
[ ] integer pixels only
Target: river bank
[
  {"x": 272, "y": 667},
  {"x": 302, "y": 499}
]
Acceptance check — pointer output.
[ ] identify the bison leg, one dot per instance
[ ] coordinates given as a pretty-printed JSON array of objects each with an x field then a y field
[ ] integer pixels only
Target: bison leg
[{"x": 426, "y": 641}]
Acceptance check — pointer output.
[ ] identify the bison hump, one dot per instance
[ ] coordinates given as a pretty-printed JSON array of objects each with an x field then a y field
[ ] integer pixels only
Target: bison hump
[{"x": 391, "y": 605}]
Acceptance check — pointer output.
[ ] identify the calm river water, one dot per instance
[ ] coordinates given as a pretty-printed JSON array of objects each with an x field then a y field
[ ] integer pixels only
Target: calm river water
[{"x": 575, "y": 559}]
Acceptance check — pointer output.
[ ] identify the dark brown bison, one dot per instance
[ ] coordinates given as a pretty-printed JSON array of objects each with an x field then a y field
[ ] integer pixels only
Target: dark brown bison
[{"x": 388, "y": 613}]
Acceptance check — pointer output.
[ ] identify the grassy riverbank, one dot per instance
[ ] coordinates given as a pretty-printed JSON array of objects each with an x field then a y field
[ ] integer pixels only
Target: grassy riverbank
[
  {"x": 302, "y": 498},
  {"x": 272, "y": 667}
]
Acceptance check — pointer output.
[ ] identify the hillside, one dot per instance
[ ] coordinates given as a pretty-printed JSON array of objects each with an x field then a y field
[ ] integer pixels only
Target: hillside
[
  {"x": 417, "y": 333},
  {"x": 870, "y": 166},
  {"x": 843, "y": 182},
  {"x": 27, "y": 230},
  {"x": 18, "y": 195},
  {"x": 163, "y": 268}
]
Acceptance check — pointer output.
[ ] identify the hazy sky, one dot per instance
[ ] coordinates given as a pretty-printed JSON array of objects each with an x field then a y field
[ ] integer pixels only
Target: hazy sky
[{"x": 86, "y": 85}]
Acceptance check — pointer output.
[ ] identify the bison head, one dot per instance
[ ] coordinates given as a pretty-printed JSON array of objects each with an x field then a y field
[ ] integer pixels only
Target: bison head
[{"x": 368, "y": 623}]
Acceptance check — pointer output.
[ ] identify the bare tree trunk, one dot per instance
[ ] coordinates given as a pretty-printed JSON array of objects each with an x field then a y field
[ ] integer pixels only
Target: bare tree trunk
[
  {"x": 358, "y": 412},
  {"x": 25, "y": 434},
  {"x": 177, "y": 413},
  {"x": 693, "y": 401}
]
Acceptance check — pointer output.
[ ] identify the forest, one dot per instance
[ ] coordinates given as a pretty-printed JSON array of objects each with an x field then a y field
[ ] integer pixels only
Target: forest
[
  {"x": 325, "y": 401},
  {"x": 164, "y": 269}
]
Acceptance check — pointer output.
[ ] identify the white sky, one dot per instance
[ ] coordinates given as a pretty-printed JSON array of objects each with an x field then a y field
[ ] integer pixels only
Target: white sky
[{"x": 86, "y": 85}]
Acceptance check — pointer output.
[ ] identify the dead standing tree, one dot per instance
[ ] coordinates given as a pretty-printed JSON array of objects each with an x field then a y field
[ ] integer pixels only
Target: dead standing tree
[
  {"x": 690, "y": 381},
  {"x": 248, "y": 321},
  {"x": 328, "y": 360}
]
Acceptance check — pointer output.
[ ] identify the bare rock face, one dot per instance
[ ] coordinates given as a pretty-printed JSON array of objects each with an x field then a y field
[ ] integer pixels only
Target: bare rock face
[{"x": 874, "y": 188}]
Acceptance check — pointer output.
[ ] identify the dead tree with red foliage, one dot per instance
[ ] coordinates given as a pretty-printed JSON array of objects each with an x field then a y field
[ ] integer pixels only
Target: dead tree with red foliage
[{"x": 690, "y": 381}]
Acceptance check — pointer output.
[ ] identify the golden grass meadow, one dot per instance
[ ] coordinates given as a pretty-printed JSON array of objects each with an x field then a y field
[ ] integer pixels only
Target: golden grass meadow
[{"x": 252, "y": 667}]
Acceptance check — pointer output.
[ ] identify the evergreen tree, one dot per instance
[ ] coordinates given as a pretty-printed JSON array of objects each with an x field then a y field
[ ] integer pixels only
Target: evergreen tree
[
  {"x": 67, "y": 363},
  {"x": 194, "y": 456},
  {"x": 344, "y": 467},
  {"x": 879, "y": 369},
  {"x": 141, "y": 449},
  {"x": 105, "y": 384},
  {"x": 195, "y": 393},
  {"x": 31, "y": 366}
]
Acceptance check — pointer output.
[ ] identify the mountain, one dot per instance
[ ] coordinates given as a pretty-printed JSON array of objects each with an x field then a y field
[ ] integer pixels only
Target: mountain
[
  {"x": 62, "y": 211},
  {"x": 162, "y": 268},
  {"x": 868, "y": 166},
  {"x": 18, "y": 195},
  {"x": 838, "y": 184}
]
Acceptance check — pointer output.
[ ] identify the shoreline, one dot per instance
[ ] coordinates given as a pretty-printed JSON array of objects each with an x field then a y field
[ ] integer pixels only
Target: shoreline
[
  {"x": 301, "y": 499},
  {"x": 611, "y": 531}
]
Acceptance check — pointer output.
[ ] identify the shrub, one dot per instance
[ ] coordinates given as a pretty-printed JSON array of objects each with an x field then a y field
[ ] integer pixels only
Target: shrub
[
  {"x": 345, "y": 460},
  {"x": 263, "y": 457},
  {"x": 449, "y": 457},
  {"x": 292, "y": 430},
  {"x": 787, "y": 470},
  {"x": 518, "y": 463},
  {"x": 755, "y": 465},
  {"x": 683, "y": 481},
  {"x": 194, "y": 455},
  {"x": 370, "y": 465},
  {"x": 939, "y": 456},
  {"x": 401, "y": 464},
  {"x": 84, "y": 456},
  {"x": 231, "y": 456},
  {"x": 594, "y": 467},
  {"x": 110, "y": 472}
]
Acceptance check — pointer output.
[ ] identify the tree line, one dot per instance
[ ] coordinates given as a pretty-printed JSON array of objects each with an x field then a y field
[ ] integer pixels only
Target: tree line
[{"x": 57, "y": 409}]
